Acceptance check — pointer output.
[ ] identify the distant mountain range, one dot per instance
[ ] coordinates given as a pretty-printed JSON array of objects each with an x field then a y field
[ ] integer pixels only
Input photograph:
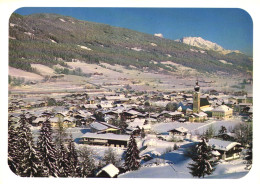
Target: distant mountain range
[
  {"x": 205, "y": 44},
  {"x": 52, "y": 39}
]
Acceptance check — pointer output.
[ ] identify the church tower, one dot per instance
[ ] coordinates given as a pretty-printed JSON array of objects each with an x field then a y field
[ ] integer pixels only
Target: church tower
[{"x": 196, "y": 98}]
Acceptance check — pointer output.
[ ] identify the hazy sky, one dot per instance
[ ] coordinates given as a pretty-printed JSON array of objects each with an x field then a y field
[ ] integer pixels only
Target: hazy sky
[{"x": 228, "y": 27}]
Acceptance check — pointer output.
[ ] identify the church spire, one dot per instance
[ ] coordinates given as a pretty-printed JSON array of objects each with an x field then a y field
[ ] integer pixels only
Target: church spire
[{"x": 197, "y": 87}]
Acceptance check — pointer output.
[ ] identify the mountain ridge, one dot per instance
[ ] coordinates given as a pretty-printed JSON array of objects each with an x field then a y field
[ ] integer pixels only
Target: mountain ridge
[
  {"x": 51, "y": 39},
  {"x": 205, "y": 44}
]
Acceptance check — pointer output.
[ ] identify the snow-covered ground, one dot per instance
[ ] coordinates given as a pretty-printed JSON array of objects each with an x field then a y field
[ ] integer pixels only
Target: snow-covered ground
[
  {"x": 166, "y": 162},
  {"x": 195, "y": 128},
  {"x": 175, "y": 165}
]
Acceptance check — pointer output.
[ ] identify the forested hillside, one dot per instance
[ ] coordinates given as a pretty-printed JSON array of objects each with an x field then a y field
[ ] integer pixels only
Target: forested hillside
[{"x": 52, "y": 39}]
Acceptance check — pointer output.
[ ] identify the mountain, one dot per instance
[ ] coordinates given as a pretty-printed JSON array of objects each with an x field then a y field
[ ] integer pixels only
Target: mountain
[
  {"x": 205, "y": 44},
  {"x": 52, "y": 39}
]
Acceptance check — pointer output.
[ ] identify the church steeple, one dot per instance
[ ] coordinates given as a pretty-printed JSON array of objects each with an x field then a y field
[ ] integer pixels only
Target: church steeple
[
  {"x": 196, "y": 98},
  {"x": 197, "y": 87}
]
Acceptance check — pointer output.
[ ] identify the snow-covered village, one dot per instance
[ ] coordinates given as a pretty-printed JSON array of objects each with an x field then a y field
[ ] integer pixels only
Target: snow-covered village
[
  {"x": 177, "y": 135},
  {"x": 97, "y": 100}
]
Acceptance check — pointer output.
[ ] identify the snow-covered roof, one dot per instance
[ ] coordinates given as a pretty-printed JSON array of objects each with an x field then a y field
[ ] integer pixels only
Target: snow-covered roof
[
  {"x": 110, "y": 169},
  {"x": 133, "y": 112},
  {"x": 175, "y": 113},
  {"x": 181, "y": 129},
  {"x": 90, "y": 106},
  {"x": 107, "y": 136},
  {"x": 218, "y": 144},
  {"x": 215, "y": 152},
  {"x": 200, "y": 114},
  {"x": 206, "y": 108},
  {"x": 188, "y": 109},
  {"x": 37, "y": 120},
  {"x": 98, "y": 126},
  {"x": 222, "y": 108}
]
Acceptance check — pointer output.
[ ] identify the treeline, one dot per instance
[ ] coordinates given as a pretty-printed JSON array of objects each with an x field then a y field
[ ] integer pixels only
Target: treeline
[{"x": 55, "y": 155}]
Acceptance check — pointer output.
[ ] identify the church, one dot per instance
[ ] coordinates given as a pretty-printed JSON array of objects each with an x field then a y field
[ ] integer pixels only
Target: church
[{"x": 197, "y": 115}]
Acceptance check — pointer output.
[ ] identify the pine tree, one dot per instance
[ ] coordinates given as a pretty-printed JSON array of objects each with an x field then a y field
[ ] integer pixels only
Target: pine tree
[
  {"x": 13, "y": 154},
  {"x": 73, "y": 158},
  {"x": 132, "y": 155},
  {"x": 63, "y": 162},
  {"x": 29, "y": 161},
  {"x": 249, "y": 156},
  {"x": 30, "y": 165},
  {"x": 47, "y": 150},
  {"x": 203, "y": 160}
]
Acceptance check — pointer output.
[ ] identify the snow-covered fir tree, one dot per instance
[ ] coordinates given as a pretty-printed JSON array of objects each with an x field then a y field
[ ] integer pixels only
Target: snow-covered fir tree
[
  {"x": 73, "y": 158},
  {"x": 47, "y": 150},
  {"x": 203, "y": 161},
  {"x": 63, "y": 162},
  {"x": 13, "y": 150},
  {"x": 249, "y": 156},
  {"x": 29, "y": 164},
  {"x": 86, "y": 163},
  {"x": 132, "y": 155}
]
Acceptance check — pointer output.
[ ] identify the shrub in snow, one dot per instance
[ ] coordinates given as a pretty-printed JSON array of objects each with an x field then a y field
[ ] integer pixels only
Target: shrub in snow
[{"x": 86, "y": 163}]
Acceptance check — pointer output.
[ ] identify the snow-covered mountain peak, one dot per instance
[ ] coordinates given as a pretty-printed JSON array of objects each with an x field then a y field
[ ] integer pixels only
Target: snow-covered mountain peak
[{"x": 205, "y": 44}]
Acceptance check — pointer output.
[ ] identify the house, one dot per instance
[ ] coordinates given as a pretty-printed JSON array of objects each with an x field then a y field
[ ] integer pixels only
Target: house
[
  {"x": 103, "y": 127},
  {"x": 222, "y": 112},
  {"x": 139, "y": 124},
  {"x": 131, "y": 114},
  {"x": 109, "y": 171},
  {"x": 69, "y": 122},
  {"x": 198, "y": 117},
  {"x": 38, "y": 121},
  {"x": 227, "y": 150},
  {"x": 178, "y": 131},
  {"x": 107, "y": 139}
]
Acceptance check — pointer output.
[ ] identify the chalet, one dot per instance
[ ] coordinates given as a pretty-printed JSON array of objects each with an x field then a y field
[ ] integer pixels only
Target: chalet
[
  {"x": 107, "y": 139},
  {"x": 139, "y": 124},
  {"x": 38, "y": 121},
  {"x": 178, "y": 131},
  {"x": 109, "y": 171},
  {"x": 222, "y": 112},
  {"x": 198, "y": 117},
  {"x": 69, "y": 122},
  {"x": 227, "y": 150},
  {"x": 131, "y": 114},
  {"x": 106, "y": 104},
  {"x": 102, "y": 127},
  {"x": 172, "y": 115}
]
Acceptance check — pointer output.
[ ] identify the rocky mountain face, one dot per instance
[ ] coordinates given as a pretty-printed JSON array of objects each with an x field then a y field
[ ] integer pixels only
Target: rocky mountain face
[
  {"x": 205, "y": 44},
  {"x": 52, "y": 39}
]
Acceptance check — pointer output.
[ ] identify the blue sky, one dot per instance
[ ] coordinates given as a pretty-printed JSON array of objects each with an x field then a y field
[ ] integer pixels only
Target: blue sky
[{"x": 229, "y": 27}]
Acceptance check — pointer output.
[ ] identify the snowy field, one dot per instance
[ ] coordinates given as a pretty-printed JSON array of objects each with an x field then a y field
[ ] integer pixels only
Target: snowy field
[{"x": 196, "y": 128}]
